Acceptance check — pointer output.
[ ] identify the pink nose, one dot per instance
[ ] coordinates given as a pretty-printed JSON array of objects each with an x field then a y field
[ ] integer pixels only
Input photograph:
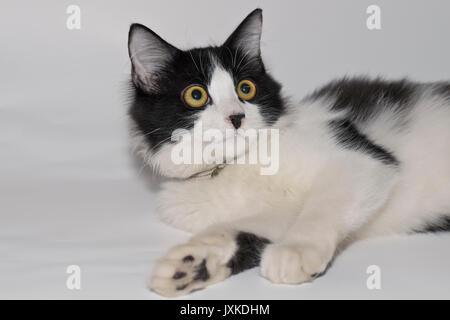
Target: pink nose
[{"x": 236, "y": 119}]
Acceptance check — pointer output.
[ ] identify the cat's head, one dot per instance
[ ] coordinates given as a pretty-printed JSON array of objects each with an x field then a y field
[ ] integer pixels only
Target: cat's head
[{"x": 219, "y": 87}]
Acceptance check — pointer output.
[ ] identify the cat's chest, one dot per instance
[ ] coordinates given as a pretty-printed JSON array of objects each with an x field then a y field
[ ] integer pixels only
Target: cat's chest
[
  {"x": 286, "y": 188},
  {"x": 286, "y": 178},
  {"x": 293, "y": 179}
]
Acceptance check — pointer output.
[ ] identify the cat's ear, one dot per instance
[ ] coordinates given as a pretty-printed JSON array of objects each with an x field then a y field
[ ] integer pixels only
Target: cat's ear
[
  {"x": 149, "y": 54},
  {"x": 247, "y": 35}
]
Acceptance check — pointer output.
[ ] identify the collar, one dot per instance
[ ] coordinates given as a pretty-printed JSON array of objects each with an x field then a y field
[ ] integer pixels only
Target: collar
[{"x": 207, "y": 174}]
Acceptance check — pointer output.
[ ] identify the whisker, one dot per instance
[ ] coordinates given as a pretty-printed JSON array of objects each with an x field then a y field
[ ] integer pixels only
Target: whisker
[
  {"x": 153, "y": 131},
  {"x": 235, "y": 57},
  {"x": 231, "y": 56},
  {"x": 243, "y": 67},
  {"x": 242, "y": 59},
  {"x": 192, "y": 57},
  {"x": 201, "y": 66},
  {"x": 162, "y": 141}
]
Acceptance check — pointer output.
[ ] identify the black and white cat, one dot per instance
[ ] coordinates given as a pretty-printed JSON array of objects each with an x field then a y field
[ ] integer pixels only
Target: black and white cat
[{"x": 357, "y": 158}]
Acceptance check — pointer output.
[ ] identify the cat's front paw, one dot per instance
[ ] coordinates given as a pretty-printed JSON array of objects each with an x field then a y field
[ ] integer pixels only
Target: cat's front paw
[
  {"x": 293, "y": 264},
  {"x": 199, "y": 263}
]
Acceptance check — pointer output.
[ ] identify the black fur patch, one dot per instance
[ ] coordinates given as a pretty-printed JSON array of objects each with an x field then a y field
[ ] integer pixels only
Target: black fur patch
[
  {"x": 443, "y": 89},
  {"x": 201, "y": 272},
  {"x": 350, "y": 137},
  {"x": 248, "y": 254},
  {"x": 364, "y": 98},
  {"x": 441, "y": 225}
]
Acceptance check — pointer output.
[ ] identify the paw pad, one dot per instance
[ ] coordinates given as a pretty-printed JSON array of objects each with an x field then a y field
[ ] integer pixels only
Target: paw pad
[
  {"x": 188, "y": 258},
  {"x": 182, "y": 287},
  {"x": 201, "y": 272},
  {"x": 179, "y": 275}
]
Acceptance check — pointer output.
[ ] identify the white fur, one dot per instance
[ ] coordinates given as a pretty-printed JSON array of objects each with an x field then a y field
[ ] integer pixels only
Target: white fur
[{"x": 324, "y": 195}]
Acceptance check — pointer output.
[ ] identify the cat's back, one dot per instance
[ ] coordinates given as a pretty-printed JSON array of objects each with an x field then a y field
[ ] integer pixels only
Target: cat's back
[
  {"x": 399, "y": 116},
  {"x": 384, "y": 110},
  {"x": 363, "y": 98}
]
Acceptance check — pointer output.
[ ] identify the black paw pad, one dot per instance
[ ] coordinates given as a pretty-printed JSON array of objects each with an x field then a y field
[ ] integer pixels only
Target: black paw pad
[
  {"x": 182, "y": 287},
  {"x": 188, "y": 259},
  {"x": 179, "y": 275},
  {"x": 201, "y": 272}
]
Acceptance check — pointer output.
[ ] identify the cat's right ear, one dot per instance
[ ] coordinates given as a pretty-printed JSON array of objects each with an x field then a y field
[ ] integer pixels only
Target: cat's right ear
[
  {"x": 149, "y": 54},
  {"x": 247, "y": 35}
]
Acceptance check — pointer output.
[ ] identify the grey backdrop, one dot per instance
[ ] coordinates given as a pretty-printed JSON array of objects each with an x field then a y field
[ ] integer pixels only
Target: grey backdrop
[{"x": 70, "y": 193}]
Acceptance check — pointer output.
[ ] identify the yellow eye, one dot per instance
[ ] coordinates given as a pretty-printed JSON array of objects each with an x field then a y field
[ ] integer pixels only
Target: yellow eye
[
  {"x": 195, "y": 96},
  {"x": 246, "y": 89}
]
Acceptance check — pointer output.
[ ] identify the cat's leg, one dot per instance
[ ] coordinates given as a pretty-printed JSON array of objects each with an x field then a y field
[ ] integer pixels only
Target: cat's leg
[
  {"x": 344, "y": 196},
  {"x": 216, "y": 253}
]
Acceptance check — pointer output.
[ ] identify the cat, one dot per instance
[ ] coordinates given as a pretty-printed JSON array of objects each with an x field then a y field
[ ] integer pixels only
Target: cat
[{"x": 359, "y": 157}]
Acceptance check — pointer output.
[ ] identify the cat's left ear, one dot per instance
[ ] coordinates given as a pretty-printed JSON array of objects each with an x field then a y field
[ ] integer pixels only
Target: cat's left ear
[{"x": 247, "y": 36}]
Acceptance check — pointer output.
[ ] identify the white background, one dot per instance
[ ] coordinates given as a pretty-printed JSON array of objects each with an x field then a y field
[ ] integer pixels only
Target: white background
[{"x": 71, "y": 193}]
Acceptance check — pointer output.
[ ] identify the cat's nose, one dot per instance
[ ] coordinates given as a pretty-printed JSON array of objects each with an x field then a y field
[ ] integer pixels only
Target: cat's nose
[{"x": 236, "y": 119}]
